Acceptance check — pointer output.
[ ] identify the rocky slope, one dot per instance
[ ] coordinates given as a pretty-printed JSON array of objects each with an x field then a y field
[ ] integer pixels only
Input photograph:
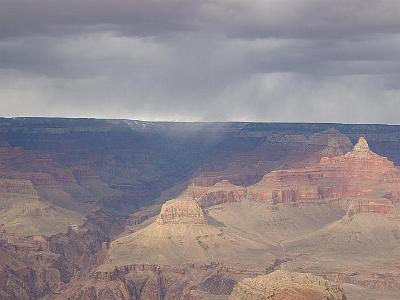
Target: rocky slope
[
  {"x": 34, "y": 266},
  {"x": 281, "y": 285},
  {"x": 182, "y": 233}
]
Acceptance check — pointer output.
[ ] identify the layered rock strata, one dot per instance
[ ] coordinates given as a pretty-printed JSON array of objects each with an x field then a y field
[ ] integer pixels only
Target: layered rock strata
[
  {"x": 380, "y": 206},
  {"x": 221, "y": 192},
  {"x": 33, "y": 267},
  {"x": 181, "y": 211},
  {"x": 183, "y": 233},
  {"x": 358, "y": 173},
  {"x": 17, "y": 186},
  {"x": 244, "y": 161}
]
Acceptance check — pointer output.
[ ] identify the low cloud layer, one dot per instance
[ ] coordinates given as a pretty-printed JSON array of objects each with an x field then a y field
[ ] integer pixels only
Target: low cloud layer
[{"x": 216, "y": 60}]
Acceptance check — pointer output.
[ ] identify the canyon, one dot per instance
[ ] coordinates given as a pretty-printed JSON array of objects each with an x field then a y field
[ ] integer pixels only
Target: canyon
[{"x": 121, "y": 209}]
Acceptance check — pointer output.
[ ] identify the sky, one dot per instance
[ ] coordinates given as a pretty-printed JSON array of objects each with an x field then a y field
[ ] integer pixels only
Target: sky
[{"x": 210, "y": 60}]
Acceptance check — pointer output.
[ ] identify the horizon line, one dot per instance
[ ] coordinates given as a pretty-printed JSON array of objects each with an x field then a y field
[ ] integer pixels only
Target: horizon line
[{"x": 194, "y": 121}]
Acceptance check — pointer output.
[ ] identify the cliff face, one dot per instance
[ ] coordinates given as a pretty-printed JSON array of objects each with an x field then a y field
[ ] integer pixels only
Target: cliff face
[
  {"x": 32, "y": 267},
  {"x": 135, "y": 285},
  {"x": 181, "y": 211},
  {"x": 24, "y": 212},
  {"x": 358, "y": 173},
  {"x": 221, "y": 192},
  {"x": 244, "y": 160},
  {"x": 15, "y": 186},
  {"x": 360, "y": 161},
  {"x": 158, "y": 282},
  {"x": 389, "y": 281},
  {"x": 379, "y": 206}
]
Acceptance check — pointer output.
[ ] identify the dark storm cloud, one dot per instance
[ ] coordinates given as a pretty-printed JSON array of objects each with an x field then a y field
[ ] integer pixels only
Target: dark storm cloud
[
  {"x": 311, "y": 19},
  {"x": 248, "y": 19},
  {"x": 264, "y": 60},
  {"x": 138, "y": 17}
]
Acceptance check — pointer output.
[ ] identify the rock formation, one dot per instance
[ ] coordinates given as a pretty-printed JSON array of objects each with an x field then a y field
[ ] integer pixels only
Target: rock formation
[
  {"x": 380, "y": 206},
  {"x": 261, "y": 151},
  {"x": 390, "y": 280},
  {"x": 33, "y": 267},
  {"x": 16, "y": 186},
  {"x": 182, "y": 233},
  {"x": 282, "y": 285},
  {"x": 361, "y": 158},
  {"x": 362, "y": 148},
  {"x": 181, "y": 211},
  {"x": 221, "y": 192},
  {"x": 357, "y": 173}
]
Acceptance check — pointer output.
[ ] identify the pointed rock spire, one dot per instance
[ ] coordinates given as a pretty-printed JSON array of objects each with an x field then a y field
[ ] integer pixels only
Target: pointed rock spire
[{"x": 362, "y": 145}]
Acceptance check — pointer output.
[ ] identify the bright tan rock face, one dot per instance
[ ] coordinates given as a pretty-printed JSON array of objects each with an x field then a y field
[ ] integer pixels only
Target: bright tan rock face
[
  {"x": 181, "y": 211},
  {"x": 282, "y": 285},
  {"x": 362, "y": 146}
]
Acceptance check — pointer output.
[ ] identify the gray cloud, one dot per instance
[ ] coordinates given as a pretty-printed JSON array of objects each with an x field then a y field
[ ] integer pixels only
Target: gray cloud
[{"x": 202, "y": 60}]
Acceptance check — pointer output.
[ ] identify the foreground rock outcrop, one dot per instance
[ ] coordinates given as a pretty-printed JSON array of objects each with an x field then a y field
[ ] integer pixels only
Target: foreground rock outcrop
[{"x": 282, "y": 285}]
